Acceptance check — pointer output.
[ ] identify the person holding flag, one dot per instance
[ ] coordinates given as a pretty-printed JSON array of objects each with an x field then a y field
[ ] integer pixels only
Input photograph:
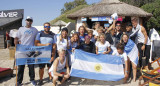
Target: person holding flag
[
  {"x": 46, "y": 38},
  {"x": 132, "y": 52},
  {"x": 26, "y": 36}
]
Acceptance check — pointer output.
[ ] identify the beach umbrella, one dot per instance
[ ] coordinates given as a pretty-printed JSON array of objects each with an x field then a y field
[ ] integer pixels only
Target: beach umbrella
[{"x": 60, "y": 23}]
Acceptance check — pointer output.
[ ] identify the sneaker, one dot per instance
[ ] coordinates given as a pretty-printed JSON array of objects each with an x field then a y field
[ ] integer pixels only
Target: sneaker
[
  {"x": 40, "y": 82},
  {"x": 50, "y": 80},
  {"x": 33, "y": 83},
  {"x": 18, "y": 84}
]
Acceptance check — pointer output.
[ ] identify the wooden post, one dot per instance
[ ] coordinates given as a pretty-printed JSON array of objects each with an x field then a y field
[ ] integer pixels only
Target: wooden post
[{"x": 16, "y": 75}]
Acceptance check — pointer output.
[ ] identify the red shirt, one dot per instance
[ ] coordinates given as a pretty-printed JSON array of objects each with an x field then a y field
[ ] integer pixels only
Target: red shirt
[{"x": 7, "y": 35}]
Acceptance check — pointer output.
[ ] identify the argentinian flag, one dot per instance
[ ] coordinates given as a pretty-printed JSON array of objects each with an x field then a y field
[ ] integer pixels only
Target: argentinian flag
[
  {"x": 132, "y": 51},
  {"x": 98, "y": 67}
]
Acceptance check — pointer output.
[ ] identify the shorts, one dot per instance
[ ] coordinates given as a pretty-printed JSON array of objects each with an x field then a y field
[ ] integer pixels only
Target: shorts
[
  {"x": 43, "y": 65},
  {"x": 60, "y": 71}
]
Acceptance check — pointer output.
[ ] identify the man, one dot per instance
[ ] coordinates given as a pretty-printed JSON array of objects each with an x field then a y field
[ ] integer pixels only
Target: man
[
  {"x": 118, "y": 30},
  {"x": 143, "y": 42},
  {"x": 26, "y": 36},
  {"x": 45, "y": 38},
  {"x": 129, "y": 31}
]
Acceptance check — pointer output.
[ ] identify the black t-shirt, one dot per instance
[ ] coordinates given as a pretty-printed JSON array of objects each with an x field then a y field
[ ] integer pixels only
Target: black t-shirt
[{"x": 87, "y": 47}]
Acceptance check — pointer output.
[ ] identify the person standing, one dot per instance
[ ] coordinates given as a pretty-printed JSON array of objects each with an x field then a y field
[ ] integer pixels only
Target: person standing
[
  {"x": 143, "y": 42},
  {"x": 7, "y": 39},
  {"x": 26, "y": 36},
  {"x": 46, "y": 38}
]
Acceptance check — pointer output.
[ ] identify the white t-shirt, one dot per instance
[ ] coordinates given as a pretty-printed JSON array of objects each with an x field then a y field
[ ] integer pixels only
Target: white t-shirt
[
  {"x": 62, "y": 44},
  {"x": 123, "y": 56},
  {"x": 102, "y": 47},
  {"x": 27, "y": 35}
]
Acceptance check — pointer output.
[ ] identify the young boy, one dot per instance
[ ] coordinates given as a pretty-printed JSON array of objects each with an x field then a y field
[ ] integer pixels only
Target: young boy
[{"x": 120, "y": 52}]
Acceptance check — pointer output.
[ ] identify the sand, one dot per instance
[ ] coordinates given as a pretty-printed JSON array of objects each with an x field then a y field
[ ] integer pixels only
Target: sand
[{"x": 10, "y": 81}]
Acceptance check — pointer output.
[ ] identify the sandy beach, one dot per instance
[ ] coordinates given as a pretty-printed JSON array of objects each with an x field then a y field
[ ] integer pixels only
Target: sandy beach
[{"x": 10, "y": 81}]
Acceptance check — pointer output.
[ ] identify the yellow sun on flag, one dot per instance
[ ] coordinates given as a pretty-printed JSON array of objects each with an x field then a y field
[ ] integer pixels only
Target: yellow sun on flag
[{"x": 98, "y": 67}]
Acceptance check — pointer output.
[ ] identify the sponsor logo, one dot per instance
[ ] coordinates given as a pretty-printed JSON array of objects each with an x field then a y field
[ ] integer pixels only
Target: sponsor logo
[{"x": 8, "y": 14}]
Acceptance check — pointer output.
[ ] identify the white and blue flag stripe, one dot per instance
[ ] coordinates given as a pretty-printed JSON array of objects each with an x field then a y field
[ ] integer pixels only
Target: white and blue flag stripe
[
  {"x": 132, "y": 51},
  {"x": 98, "y": 67}
]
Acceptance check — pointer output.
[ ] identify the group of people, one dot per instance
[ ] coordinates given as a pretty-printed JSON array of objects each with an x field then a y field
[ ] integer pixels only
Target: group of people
[{"x": 109, "y": 40}]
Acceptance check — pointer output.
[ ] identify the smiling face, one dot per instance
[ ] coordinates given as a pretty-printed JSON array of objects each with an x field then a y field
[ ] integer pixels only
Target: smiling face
[
  {"x": 81, "y": 30},
  {"x": 102, "y": 38},
  {"x": 46, "y": 27},
  {"x": 125, "y": 38},
  {"x": 75, "y": 37},
  {"x": 64, "y": 34}
]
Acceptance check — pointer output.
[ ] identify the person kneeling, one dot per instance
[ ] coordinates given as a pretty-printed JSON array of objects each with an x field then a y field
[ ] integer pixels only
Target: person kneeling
[
  {"x": 58, "y": 68},
  {"x": 120, "y": 52}
]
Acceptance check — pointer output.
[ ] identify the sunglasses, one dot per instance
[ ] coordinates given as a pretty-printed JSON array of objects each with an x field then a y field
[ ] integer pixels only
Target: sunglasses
[
  {"x": 29, "y": 20},
  {"x": 47, "y": 26}
]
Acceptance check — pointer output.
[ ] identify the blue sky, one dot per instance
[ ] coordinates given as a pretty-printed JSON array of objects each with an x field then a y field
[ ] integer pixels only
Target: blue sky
[{"x": 41, "y": 10}]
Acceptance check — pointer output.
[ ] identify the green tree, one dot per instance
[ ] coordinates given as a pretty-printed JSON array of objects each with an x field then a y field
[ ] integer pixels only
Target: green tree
[
  {"x": 154, "y": 8},
  {"x": 137, "y": 3},
  {"x": 70, "y": 5}
]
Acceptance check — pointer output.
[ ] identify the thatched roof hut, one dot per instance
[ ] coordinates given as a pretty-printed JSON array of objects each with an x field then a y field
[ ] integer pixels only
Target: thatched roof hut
[{"x": 107, "y": 8}]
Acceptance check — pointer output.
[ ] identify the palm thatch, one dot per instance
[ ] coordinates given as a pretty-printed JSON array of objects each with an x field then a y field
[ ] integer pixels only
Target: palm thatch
[{"x": 107, "y": 8}]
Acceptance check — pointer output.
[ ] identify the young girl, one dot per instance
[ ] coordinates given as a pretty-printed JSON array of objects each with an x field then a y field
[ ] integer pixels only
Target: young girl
[
  {"x": 58, "y": 67},
  {"x": 120, "y": 52},
  {"x": 82, "y": 32},
  {"x": 90, "y": 34},
  {"x": 102, "y": 46},
  {"x": 74, "y": 42},
  {"x": 125, "y": 40},
  {"x": 63, "y": 40}
]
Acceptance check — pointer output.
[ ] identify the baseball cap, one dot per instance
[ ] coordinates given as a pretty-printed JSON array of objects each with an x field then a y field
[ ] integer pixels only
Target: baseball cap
[{"x": 28, "y": 17}]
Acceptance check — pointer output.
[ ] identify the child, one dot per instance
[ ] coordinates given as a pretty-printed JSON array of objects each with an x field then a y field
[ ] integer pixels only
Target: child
[
  {"x": 120, "y": 52},
  {"x": 58, "y": 68},
  {"x": 90, "y": 34},
  {"x": 102, "y": 46}
]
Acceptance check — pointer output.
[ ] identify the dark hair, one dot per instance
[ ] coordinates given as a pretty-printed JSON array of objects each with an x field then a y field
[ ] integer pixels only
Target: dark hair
[
  {"x": 120, "y": 46},
  {"x": 47, "y": 23},
  {"x": 121, "y": 40},
  {"x": 129, "y": 24},
  {"x": 118, "y": 22},
  {"x": 65, "y": 29}
]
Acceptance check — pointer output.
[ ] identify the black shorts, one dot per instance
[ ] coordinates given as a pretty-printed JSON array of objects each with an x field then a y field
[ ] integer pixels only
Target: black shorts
[{"x": 43, "y": 65}]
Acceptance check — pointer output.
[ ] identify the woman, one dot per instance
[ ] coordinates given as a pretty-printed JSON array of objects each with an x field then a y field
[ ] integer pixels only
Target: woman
[
  {"x": 102, "y": 46},
  {"x": 58, "y": 68},
  {"x": 74, "y": 42},
  {"x": 130, "y": 46},
  {"x": 63, "y": 42},
  {"x": 82, "y": 32},
  {"x": 63, "y": 39}
]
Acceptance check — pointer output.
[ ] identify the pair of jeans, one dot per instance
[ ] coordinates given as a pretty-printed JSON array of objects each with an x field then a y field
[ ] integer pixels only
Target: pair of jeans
[{"x": 21, "y": 72}]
